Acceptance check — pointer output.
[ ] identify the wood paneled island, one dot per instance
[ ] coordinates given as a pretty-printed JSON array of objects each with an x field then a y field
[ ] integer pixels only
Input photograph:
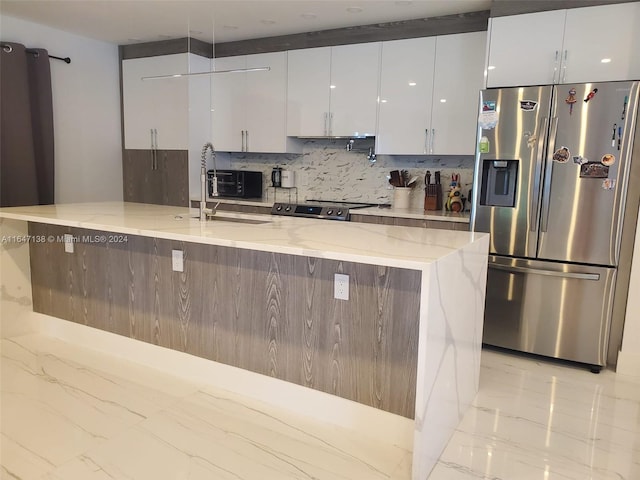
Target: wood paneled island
[{"x": 255, "y": 298}]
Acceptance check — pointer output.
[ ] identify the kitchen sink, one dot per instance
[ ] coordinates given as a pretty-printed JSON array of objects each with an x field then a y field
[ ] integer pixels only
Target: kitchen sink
[{"x": 247, "y": 221}]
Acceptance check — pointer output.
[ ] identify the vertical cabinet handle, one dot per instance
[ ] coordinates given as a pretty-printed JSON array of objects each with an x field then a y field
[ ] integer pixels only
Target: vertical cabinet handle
[
  {"x": 154, "y": 148},
  {"x": 426, "y": 140},
  {"x": 242, "y": 140},
  {"x": 326, "y": 123},
  {"x": 153, "y": 151},
  {"x": 330, "y": 123},
  {"x": 564, "y": 67},
  {"x": 433, "y": 137},
  {"x": 246, "y": 140},
  {"x": 555, "y": 69},
  {"x": 155, "y": 136}
]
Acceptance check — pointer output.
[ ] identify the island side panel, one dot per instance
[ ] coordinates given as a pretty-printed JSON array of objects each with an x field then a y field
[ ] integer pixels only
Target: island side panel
[
  {"x": 452, "y": 318},
  {"x": 269, "y": 313}
]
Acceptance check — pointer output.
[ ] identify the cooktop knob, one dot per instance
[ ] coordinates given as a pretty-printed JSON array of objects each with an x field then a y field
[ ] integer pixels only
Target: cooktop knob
[
  {"x": 339, "y": 213},
  {"x": 287, "y": 208},
  {"x": 330, "y": 212},
  {"x": 278, "y": 207}
]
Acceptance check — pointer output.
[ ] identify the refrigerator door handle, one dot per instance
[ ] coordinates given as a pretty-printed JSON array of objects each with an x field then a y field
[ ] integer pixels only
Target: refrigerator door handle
[
  {"x": 548, "y": 273},
  {"x": 533, "y": 207},
  {"x": 546, "y": 191}
]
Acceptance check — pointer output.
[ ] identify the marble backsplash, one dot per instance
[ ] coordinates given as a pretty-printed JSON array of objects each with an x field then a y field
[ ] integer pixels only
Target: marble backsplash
[{"x": 327, "y": 171}]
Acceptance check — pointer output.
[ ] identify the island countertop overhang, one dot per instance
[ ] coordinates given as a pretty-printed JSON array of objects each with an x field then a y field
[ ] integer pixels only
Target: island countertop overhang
[{"x": 403, "y": 247}]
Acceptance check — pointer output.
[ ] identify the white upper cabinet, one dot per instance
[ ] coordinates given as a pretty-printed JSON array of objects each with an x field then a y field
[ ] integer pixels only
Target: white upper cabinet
[
  {"x": 355, "y": 72},
  {"x": 458, "y": 79},
  {"x": 602, "y": 43},
  {"x": 429, "y": 95},
  {"x": 525, "y": 49},
  {"x": 249, "y": 108},
  {"x": 161, "y": 105},
  {"x": 406, "y": 90},
  {"x": 308, "y": 92},
  {"x": 332, "y": 91},
  {"x": 565, "y": 46},
  {"x": 228, "y": 106}
]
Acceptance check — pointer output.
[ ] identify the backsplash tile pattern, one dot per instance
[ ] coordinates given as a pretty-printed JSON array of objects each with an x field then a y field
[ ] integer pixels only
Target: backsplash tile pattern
[{"x": 327, "y": 171}]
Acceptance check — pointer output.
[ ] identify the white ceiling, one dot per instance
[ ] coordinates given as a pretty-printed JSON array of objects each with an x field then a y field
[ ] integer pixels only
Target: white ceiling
[{"x": 131, "y": 21}]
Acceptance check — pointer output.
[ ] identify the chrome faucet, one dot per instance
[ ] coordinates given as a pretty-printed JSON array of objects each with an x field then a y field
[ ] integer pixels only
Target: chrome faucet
[{"x": 204, "y": 211}]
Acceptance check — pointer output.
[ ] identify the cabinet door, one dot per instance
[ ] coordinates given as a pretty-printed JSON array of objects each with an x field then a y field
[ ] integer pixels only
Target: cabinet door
[
  {"x": 406, "y": 85},
  {"x": 457, "y": 83},
  {"x": 355, "y": 72},
  {"x": 266, "y": 101},
  {"x": 308, "y": 92},
  {"x": 601, "y": 43},
  {"x": 228, "y": 104},
  {"x": 525, "y": 49},
  {"x": 160, "y": 104}
]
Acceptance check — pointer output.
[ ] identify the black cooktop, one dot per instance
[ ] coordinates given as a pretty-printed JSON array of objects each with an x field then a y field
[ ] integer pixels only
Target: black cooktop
[{"x": 324, "y": 209}]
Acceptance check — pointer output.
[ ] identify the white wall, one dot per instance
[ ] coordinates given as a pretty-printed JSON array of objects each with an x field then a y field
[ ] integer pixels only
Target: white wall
[
  {"x": 86, "y": 110},
  {"x": 629, "y": 357}
]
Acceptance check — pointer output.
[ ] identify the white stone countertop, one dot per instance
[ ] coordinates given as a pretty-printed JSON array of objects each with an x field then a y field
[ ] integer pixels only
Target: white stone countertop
[
  {"x": 396, "y": 246},
  {"x": 417, "y": 213}
]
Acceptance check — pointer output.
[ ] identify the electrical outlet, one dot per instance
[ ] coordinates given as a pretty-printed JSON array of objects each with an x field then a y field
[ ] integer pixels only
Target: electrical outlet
[
  {"x": 177, "y": 260},
  {"x": 341, "y": 287},
  {"x": 68, "y": 243}
]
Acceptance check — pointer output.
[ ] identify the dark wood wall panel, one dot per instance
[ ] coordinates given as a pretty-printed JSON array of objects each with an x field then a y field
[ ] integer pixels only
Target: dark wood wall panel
[{"x": 270, "y": 313}]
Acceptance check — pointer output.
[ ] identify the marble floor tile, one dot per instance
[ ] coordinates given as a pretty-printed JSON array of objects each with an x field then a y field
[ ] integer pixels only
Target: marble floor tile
[
  {"x": 69, "y": 413},
  {"x": 541, "y": 420}
]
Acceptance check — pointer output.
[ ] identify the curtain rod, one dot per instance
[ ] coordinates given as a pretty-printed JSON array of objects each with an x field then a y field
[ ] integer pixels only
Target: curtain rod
[{"x": 9, "y": 49}]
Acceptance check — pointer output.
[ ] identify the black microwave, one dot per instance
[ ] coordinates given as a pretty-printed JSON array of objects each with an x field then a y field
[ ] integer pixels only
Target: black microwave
[{"x": 236, "y": 183}]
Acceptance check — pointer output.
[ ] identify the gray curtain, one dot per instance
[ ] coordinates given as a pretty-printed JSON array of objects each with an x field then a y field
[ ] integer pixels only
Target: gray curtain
[{"x": 26, "y": 127}]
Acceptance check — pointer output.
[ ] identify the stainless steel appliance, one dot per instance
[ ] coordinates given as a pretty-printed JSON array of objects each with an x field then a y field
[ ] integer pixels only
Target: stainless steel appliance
[
  {"x": 324, "y": 209},
  {"x": 236, "y": 183},
  {"x": 555, "y": 186}
]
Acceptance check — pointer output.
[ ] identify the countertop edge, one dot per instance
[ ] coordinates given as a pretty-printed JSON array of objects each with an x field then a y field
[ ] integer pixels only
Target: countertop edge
[{"x": 371, "y": 259}]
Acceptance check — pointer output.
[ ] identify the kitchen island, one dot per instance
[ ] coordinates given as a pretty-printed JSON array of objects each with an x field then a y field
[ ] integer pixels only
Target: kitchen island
[{"x": 255, "y": 298}]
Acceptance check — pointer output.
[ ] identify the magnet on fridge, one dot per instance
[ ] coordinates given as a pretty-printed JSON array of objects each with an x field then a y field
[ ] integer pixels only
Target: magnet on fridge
[
  {"x": 571, "y": 99},
  {"x": 594, "y": 170},
  {"x": 592, "y": 94},
  {"x": 608, "y": 184},
  {"x": 561, "y": 155},
  {"x": 483, "y": 145},
  {"x": 608, "y": 159},
  {"x": 578, "y": 159},
  {"x": 488, "y": 118},
  {"x": 528, "y": 105}
]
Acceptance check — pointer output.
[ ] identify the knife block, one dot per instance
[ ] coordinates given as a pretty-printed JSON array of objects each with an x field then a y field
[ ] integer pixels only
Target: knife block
[{"x": 433, "y": 197}]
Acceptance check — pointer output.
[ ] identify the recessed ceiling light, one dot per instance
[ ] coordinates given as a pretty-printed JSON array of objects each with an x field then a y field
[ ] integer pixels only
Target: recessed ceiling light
[
  {"x": 412, "y": 84},
  {"x": 605, "y": 60},
  {"x": 443, "y": 100},
  {"x": 267, "y": 22},
  {"x": 354, "y": 9},
  {"x": 491, "y": 67},
  {"x": 383, "y": 101},
  {"x": 230, "y": 27},
  {"x": 332, "y": 86},
  {"x": 309, "y": 15}
]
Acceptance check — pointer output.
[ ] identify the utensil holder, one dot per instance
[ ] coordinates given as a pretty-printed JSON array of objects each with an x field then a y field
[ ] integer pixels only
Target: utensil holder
[
  {"x": 401, "y": 197},
  {"x": 433, "y": 197}
]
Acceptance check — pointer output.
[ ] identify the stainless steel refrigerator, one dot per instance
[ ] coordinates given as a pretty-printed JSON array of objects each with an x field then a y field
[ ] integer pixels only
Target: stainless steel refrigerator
[{"x": 553, "y": 181}]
